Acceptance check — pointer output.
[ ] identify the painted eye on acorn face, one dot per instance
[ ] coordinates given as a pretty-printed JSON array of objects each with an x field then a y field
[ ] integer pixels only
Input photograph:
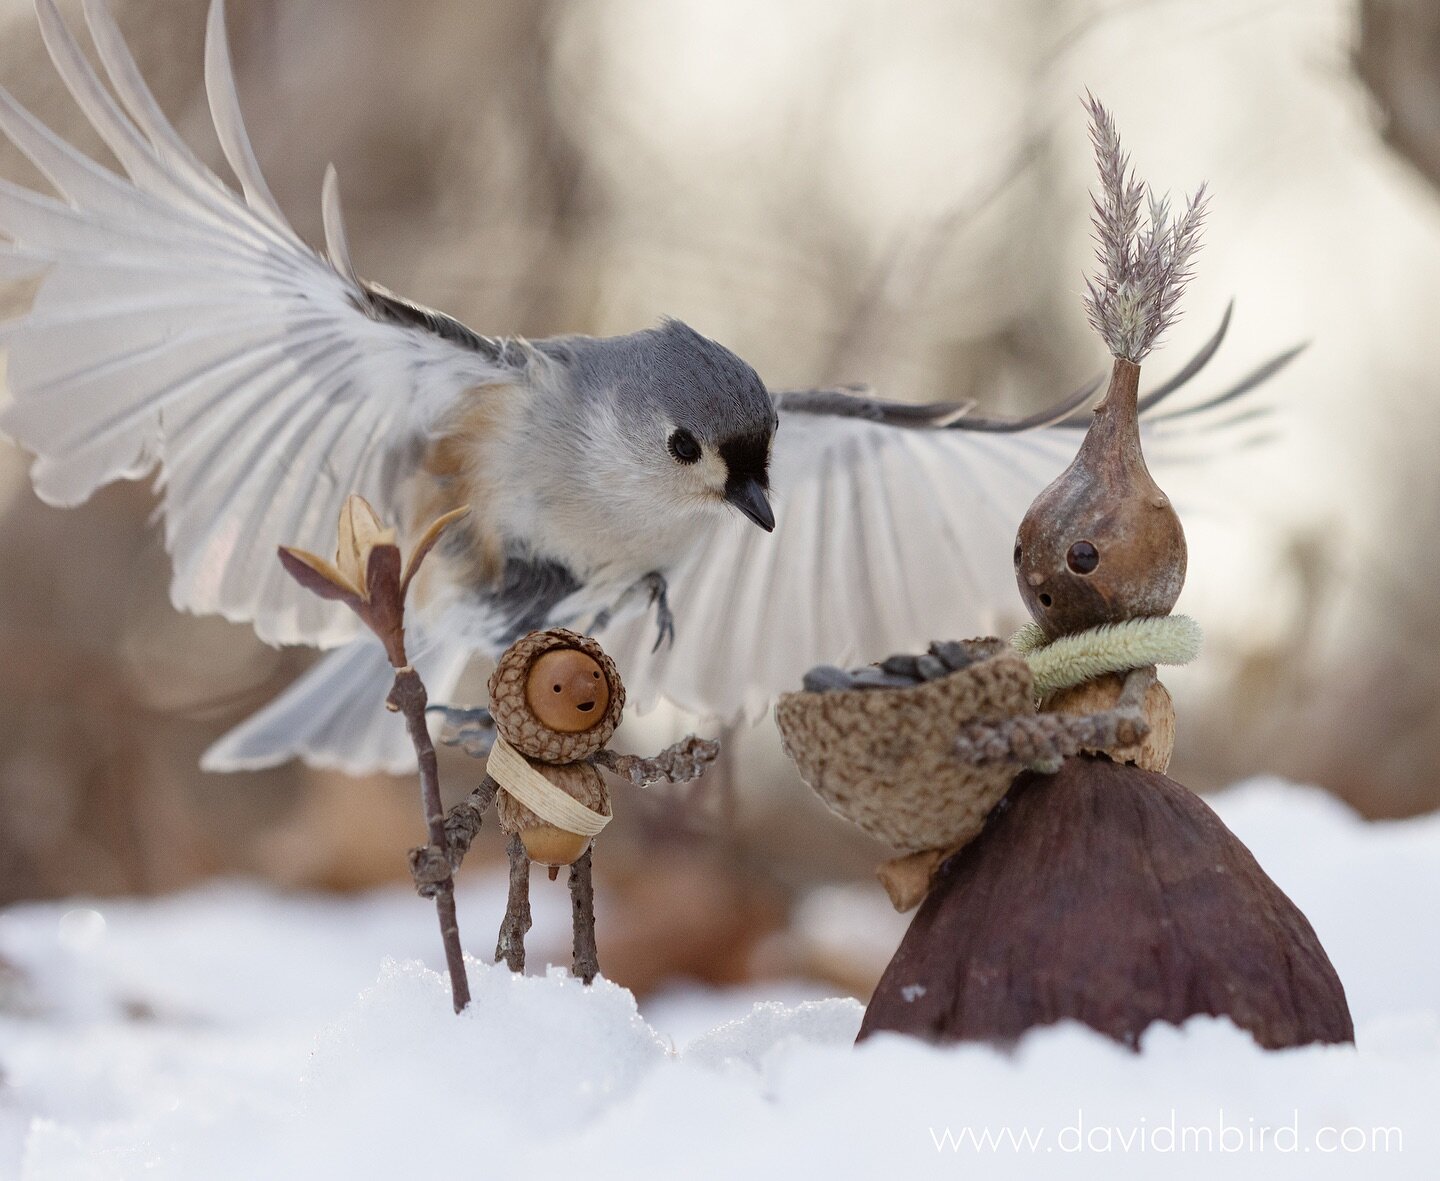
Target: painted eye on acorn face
[
  {"x": 684, "y": 446},
  {"x": 1083, "y": 557}
]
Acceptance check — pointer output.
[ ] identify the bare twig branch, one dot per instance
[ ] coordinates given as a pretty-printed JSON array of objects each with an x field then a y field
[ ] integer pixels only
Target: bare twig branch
[
  {"x": 368, "y": 576},
  {"x": 407, "y": 696}
]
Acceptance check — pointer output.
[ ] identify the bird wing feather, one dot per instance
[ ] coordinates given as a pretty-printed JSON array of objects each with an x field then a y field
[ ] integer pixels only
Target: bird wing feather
[
  {"x": 886, "y": 537},
  {"x": 182, "y": 325}
]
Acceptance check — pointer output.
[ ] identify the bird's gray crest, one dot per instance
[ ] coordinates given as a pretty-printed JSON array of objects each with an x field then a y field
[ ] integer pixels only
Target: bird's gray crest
[{"x": 695, "y": 382}]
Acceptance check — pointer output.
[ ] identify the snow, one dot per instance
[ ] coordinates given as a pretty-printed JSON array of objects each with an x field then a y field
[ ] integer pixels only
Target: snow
[{"x": 234, "y": 1032}]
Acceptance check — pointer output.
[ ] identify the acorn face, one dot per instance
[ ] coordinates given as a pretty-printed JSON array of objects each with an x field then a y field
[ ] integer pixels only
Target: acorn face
[
  {"x": 515, "y": 718},
  {"x": 1102, "y": 543},
  {"x": 567, "y": 691}
]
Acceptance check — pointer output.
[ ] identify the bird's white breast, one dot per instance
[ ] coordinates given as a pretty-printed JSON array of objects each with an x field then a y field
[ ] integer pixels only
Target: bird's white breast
[{"x": 563, "y": 481}]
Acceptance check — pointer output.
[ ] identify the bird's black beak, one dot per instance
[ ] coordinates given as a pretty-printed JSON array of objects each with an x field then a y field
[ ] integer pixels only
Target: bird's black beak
[{"x": 748, "y": 494}]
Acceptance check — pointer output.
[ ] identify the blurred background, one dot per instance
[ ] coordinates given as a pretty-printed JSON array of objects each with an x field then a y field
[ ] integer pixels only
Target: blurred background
[{"x": 840, "y": 190}]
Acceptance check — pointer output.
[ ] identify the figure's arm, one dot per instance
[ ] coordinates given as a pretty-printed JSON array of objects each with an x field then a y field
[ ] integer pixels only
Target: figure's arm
[
  {"x": 684, "y": 761},
  {"x": 429, "y": 864},
  {"x": 1041, "y": 741}
]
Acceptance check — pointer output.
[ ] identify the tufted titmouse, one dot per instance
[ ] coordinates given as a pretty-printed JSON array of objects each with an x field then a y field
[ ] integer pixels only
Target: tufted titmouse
[{"x": 182, "y": 326}]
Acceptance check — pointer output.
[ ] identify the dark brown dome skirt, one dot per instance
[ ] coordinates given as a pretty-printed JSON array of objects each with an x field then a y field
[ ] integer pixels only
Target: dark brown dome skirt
[{"x": 1113, "y": 896}]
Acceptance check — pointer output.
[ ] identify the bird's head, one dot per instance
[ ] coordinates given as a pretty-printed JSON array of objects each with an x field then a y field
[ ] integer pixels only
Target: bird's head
[{"x": 697, "y": 421}]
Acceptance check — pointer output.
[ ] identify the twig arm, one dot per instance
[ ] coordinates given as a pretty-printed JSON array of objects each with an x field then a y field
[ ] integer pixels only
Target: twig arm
[
  {"x": 430, "y": 864},
  {"x": 680, "y": 763},
  {"x": 1042, "y": 741}
]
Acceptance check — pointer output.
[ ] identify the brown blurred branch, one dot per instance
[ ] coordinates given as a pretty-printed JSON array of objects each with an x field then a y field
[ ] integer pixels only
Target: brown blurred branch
[{"x": 1397, "y": 57}]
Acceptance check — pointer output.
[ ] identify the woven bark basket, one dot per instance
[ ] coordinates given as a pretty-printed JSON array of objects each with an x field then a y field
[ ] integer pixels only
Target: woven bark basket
[{"x": 884, "y": 758}]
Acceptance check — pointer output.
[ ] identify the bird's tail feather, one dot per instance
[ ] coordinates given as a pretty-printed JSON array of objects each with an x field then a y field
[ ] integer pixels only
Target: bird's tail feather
[{"x": 335, "y": 716}]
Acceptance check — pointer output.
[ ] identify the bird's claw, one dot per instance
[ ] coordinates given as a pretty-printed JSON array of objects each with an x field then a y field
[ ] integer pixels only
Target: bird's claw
[
  {"x": 664, "y": 617},
  {"x": 659, "y": 591}
]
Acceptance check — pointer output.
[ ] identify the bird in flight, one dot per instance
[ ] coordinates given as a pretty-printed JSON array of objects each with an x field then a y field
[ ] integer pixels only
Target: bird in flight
[{"x": 183, "y": 328}]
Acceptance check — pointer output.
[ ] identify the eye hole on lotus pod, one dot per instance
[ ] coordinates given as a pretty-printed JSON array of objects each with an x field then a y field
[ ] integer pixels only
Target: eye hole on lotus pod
[
  {"x": 1046, "y": 600},
  {"x": 1083, "y": 557},
  {"x": 1017, "y": 554}
]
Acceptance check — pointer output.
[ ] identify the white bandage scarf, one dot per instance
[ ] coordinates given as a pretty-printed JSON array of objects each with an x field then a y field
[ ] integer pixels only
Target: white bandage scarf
[{"x": 514, "y": 773}]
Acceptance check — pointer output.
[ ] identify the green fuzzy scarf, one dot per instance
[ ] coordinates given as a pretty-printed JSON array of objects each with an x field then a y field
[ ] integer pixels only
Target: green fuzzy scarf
[{"x": 1111, "y": 648}]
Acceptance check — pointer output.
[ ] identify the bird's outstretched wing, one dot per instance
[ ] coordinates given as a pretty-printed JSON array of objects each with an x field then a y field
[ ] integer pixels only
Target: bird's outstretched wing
[
  {"x": 891, "y": 531},
  {"x": 182, "y": 325}
]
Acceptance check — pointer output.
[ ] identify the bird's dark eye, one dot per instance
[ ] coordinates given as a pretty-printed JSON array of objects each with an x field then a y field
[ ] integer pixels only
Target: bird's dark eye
[
  {"x": 1083, "y": 557},
  {"x": 684, "y": 446}
]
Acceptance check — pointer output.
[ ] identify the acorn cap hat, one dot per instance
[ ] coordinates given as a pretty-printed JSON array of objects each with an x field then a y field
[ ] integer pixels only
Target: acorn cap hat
[{"x": 519, "y": 726}]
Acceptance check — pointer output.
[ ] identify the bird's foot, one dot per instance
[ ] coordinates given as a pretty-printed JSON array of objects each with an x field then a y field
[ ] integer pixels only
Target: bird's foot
[
  {"x": 658, "y": 590},
  {"x": 472, "y": 730}
]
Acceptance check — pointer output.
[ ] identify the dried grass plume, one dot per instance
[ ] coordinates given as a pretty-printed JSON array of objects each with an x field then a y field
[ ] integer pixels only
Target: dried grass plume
[{"x": 1135, "y": 296}]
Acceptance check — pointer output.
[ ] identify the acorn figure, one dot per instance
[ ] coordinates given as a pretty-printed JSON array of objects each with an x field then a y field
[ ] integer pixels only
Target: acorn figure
[
  {"x": 1097, "y": 889},
  {"x": 556, "y": 699}
]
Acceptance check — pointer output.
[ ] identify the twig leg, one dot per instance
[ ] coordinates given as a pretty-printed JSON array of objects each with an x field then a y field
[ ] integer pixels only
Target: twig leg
[
  {"x": 511, "y": 945},
  {"x": 582, "y": 907}
]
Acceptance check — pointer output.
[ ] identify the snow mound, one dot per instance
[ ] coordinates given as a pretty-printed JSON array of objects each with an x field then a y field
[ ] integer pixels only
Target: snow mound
[{"x": 234, "y": 1033}]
